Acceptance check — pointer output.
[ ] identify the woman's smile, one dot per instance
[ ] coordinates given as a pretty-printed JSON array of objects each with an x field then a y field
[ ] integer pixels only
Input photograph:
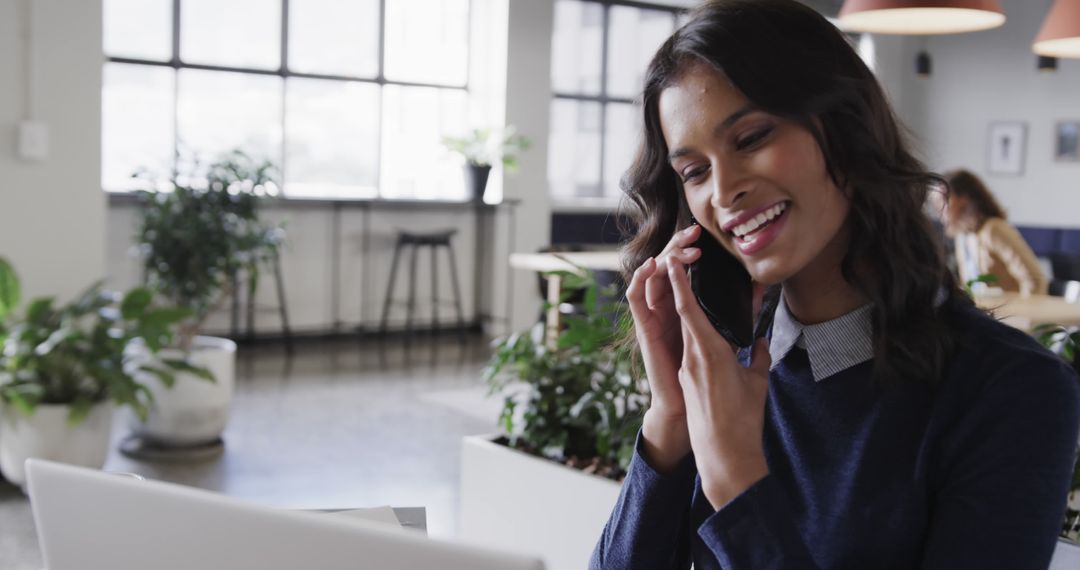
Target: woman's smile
[{"x": 752, "y": 232}]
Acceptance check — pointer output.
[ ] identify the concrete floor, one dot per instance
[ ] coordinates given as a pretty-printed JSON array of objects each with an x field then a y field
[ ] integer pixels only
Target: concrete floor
[{"x": 339, "y": 425}]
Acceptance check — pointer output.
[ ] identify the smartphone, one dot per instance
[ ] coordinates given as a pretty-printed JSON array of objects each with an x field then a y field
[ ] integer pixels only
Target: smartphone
[{"x": 725, "y": 292}]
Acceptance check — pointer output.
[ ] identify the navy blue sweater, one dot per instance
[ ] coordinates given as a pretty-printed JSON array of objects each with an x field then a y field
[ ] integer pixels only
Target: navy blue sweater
[{"x": 973, "y": 475}]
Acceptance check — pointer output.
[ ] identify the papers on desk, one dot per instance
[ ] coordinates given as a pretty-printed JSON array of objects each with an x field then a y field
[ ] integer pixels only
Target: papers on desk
[
  {"x": 1066, "y": 556},
  {"x": 381, "y": 515}
]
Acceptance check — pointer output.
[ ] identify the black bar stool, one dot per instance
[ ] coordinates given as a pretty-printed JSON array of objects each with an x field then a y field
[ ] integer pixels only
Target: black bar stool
[
  {"x": 416, "y": 240},
  {"x": 250, "y": 307}
]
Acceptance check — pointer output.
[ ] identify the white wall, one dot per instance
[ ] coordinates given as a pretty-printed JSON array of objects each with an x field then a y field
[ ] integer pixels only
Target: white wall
[
  {"x": 989, "y": 76},
  {"x": 528, "y": 100},
  {"x": 52, "y": 213},
  {"x": 366, "y": 236}
]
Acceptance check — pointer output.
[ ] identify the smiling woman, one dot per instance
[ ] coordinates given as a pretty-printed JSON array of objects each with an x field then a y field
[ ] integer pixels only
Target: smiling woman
[{"x": 884, "y": 422}]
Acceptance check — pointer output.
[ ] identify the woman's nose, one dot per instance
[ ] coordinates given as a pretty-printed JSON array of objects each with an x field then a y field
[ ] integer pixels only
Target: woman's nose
[{"x": 729, "y": 186}]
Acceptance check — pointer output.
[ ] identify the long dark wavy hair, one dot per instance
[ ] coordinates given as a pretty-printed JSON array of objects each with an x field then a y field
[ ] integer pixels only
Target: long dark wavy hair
[
  {"x": 791, "y": 62},
  {"x": 984, "y": 205}
]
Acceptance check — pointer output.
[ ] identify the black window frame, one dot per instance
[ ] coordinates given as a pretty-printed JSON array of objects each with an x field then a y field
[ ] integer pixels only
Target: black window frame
[{"x": 603, "y": 98}]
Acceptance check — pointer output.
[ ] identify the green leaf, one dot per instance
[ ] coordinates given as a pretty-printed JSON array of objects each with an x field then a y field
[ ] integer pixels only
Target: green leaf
[
  {"x": 39, "y": 309},
  {"x": 22, "y": 402},
  {"x": 80, "y": 409},
  {"x": 135, "y": 302},
  {"x": 185, "y": 366},
  {"x": 58, "y": 337},
  {"x": 164, "y": 317},
  {"x": 9, "y": 289},
  {"x": 167, "y": 378}
]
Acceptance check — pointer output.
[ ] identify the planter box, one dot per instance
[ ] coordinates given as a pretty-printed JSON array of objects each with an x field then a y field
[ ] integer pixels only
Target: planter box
[
  {"x": 47, "y": 435},
  {"x": 521, "y": 503}
]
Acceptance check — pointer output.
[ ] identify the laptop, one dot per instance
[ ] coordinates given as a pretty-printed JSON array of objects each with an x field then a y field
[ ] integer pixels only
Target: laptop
[{"x": 90, "y": 520}]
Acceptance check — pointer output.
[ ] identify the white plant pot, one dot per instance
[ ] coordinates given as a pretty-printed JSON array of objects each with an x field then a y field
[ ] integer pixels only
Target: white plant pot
[
  {"x": 47, "y": 435},
  {"x": 194, "y": 411},
  {"x": 514, "y": 501}
]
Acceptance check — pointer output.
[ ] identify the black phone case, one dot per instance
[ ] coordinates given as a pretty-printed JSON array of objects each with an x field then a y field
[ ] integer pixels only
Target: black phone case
[{"x": 725, "y": 292}]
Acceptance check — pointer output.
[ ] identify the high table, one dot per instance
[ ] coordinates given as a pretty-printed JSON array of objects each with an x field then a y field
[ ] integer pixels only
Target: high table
[
  {"x": 568, "y": 261},
  {"x": 1027, "y": 311}
]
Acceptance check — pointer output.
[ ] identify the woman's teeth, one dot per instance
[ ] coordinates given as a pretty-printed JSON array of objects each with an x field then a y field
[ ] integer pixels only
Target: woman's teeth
[{"x": 758, "y": 222}]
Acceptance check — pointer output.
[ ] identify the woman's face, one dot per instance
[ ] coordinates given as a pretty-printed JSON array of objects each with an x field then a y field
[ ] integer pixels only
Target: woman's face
[
  {"x": 956, "y": 214},
  {"x": 754, "y": 181}
]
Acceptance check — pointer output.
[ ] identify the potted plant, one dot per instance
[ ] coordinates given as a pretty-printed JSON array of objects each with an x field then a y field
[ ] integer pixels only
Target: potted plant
[
  {"x": 483, "y": 148},
  {"x": 570, "y": 420},
  {"x": 1065, "y": 343},
  {"x": 195, "y": 239},
  {"x": 64, "y": 368}
]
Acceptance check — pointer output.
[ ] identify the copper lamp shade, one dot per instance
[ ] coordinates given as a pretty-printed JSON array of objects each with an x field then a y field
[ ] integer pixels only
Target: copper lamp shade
[
  {"x": 1060, "y": 33},
  {"x": 921, "y": 17}
]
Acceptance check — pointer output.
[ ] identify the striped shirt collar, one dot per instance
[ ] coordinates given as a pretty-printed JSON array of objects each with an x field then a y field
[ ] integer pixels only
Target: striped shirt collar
[{"x": 832, "y": 346}]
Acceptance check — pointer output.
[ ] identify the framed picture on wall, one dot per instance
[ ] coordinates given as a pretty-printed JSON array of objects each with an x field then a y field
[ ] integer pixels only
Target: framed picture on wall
[
  {"x": 1005, "y": 148},
  {"x": 1067, "y": 141}
]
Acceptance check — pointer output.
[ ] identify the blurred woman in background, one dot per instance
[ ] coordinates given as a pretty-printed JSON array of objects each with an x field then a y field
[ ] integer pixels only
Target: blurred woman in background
[{"x": 985, "y": 242}]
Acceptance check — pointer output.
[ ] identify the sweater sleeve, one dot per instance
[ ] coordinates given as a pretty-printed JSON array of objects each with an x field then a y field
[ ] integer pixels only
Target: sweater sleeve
[
  {"x": 1005, "y": 243},
  {"x": 647, "y": 529},
  {"x": 755, "y": 531},
  {"x": 1000, "y": 498}
]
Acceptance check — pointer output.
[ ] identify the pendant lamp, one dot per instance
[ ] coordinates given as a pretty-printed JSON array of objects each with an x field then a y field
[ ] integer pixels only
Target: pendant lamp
[
  {"x": 920, "y": 17},
  {"x": 1060, "y": 33}
]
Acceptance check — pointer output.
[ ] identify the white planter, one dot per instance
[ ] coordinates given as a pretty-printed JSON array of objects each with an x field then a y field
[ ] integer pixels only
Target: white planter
[
  {"x": 514, "y": 501},
  {"x": 47, "y": 435},
  {"x": 194, "y": 411}
]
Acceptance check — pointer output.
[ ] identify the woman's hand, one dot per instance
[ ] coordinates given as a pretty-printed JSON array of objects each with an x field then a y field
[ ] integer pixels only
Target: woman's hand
[
  {"x": 656, "y": 325},
  {"x": 724, "y": 402}
]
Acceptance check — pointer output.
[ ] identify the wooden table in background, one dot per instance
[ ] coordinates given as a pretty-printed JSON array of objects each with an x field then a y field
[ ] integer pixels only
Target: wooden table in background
[{"x": 568, "y": 261}]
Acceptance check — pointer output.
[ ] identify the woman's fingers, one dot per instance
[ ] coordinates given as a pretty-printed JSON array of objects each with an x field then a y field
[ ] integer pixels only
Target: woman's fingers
[
  {"x": 697, "y": 324},
  {"x": 681, "y": 240},
  {"x": 635, "y": 292},
  {"x": 658, "y": 286}
]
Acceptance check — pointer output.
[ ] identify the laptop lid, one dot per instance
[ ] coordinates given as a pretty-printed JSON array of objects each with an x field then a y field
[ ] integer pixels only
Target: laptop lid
[{"x": 89, "y": 520}]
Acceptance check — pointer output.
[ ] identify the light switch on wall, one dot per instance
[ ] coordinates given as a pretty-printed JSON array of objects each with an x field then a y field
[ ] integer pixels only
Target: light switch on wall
[{"x": 33, "y": 140}]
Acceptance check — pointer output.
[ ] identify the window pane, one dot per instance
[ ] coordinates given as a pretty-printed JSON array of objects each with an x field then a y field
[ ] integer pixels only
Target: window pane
[
  {"x": 577, "y": 47},
  {"x": 136, "y": 123},
  {"x": 682, "y": 18},
  {"x": 233, "y": 33},
  {"x": 414, "y": 162},
  {"x": 332, "y": 139},
  {"x": 427, "y": 41},
  {"x": 633, "y": 38},
  {"x": 138, "y": 29},
  {"x": 574, "y": 149},
  {"x": 622, "y": 133},
  {"x": 218, "y": 112},
  {"x": 334, "y": 37}
]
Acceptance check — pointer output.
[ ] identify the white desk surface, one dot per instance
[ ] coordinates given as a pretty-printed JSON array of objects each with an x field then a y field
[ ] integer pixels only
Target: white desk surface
[{"x": 595, "y": 260}]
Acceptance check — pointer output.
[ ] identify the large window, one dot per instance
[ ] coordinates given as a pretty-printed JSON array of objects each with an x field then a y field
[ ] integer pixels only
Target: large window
[
  {"x": 349, "y": 97},
  {"x": 600, "y": 50}
]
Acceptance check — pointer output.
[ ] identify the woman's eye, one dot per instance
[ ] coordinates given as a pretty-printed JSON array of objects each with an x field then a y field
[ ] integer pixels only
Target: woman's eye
[
  {"x": 693, "y": 174},
  {"x": 753, "y": 139}
]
